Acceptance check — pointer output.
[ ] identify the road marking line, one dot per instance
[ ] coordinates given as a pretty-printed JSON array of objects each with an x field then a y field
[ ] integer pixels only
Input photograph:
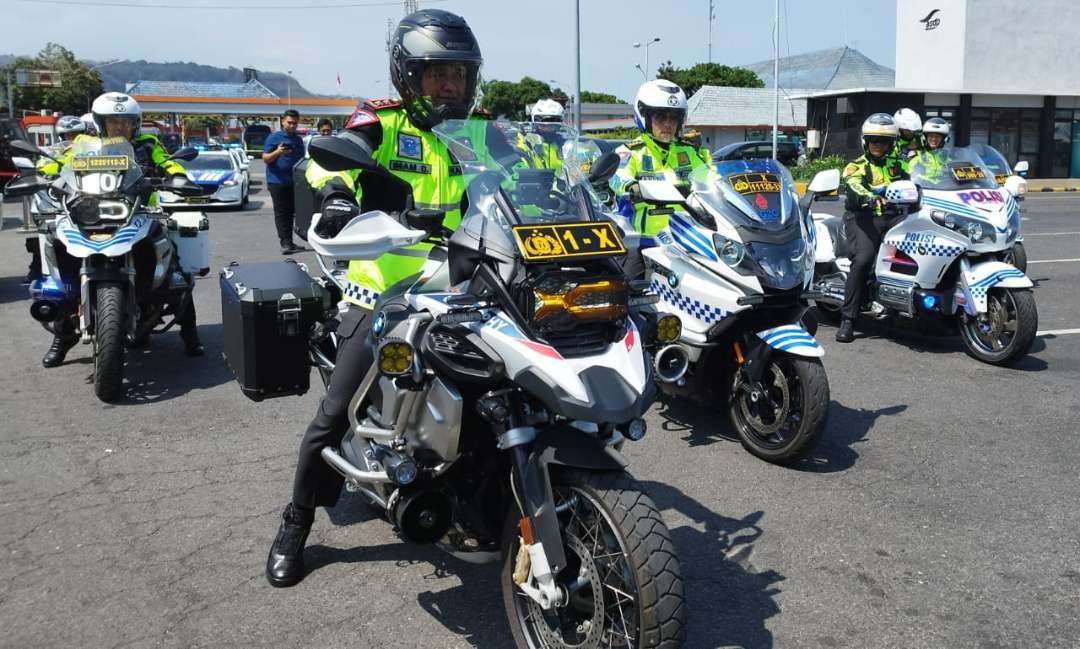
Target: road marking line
[
  {"x": 1057, "y": 332},
  {"x": 1046, "y": 234},
  {"x": 1053, "y": 261}
]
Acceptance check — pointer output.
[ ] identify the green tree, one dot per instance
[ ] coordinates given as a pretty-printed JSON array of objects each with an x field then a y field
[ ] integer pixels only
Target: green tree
[
  {"x": 708, "y": 74},
  {"x": 79, "y": 85},
  {"x": 590, "y": 97}
]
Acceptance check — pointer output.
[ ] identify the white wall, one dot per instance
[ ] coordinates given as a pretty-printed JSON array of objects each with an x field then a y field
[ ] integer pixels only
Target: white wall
[
  {"x": 718, "y": 137},
  {"x": 931, "y": 58}
]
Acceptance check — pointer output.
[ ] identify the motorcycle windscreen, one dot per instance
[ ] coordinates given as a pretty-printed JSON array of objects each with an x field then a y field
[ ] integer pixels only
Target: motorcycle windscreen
[
  {"x": 102, "y": 166},
  {"x": 758, "y": 194},
  {"x": 958, "y": 169}
]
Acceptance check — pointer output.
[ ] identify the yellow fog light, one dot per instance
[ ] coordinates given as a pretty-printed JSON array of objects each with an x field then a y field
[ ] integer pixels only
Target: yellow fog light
[
  {"x": 668, "y": 328},
  {"x": 395, "y": 358}
]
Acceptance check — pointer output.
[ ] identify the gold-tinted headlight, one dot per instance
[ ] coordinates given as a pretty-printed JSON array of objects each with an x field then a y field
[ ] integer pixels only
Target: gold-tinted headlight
[
  {"x": 395, "y": 358},
  {"x": 584, "y": 302},
  {"x": 668, "y": 328}
]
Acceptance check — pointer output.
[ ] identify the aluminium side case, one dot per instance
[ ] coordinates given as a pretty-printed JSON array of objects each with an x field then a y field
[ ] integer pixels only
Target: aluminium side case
[
  {"x": 190, "y": 231},
  {"x": 267, "y": 312}
]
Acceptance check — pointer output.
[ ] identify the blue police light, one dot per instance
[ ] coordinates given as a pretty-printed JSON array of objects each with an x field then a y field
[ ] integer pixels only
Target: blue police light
[{"x": 929, "y": 302}]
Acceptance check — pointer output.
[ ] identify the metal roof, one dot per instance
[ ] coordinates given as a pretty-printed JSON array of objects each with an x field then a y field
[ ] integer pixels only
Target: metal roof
[
  {"x": 248, "y": 89},
  {"x": 841, "y": 67},
  {"x": 819, "y": 94},
  {"x": 713, "y": 106}
]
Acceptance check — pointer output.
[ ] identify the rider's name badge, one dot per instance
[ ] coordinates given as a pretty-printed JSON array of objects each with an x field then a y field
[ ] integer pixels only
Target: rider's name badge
[
  {"x": 755, "y": 183},
  {"x": 568, "y": 241},
  {"x": 100, "y": 163}
]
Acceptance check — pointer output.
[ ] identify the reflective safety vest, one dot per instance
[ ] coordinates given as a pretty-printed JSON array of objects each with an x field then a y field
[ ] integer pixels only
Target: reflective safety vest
[
  {"x": 644, "y": 159},
  {"x": 419, "y": 158},
  {"x": 316, "y": 176},
  {"x": 539, "y": 155},
  {"x": 864, "y": 181}
]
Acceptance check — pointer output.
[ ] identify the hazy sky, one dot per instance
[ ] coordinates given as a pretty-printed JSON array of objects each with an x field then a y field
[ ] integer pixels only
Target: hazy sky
[{"x": 517, "y": 38}]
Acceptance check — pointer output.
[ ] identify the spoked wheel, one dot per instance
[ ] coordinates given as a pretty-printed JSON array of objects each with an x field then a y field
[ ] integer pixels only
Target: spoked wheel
[
  {"x": 1005, "y": 333},
  {"x": 622, "y": 586},
  {"x": 781, "y": 420}
]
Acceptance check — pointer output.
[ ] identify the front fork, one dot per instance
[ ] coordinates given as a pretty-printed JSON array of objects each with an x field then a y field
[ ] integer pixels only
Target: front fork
[{"x": 752, "y": 356}]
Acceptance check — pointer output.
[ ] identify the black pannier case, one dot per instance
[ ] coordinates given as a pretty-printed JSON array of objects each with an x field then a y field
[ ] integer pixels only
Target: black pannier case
[{"x": 267, "y": 312}]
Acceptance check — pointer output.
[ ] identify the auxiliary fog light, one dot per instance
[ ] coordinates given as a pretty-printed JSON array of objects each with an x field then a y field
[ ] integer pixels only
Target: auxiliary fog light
[
  {"x": 929, "y": 301},
  {"x": 635, "y": 430},
  {"x": 668, "y": 328},
  {"x": 395, "y": 358}
]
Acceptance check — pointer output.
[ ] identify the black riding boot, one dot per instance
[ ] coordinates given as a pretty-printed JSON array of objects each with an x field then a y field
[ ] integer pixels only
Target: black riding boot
[
  {"x": 285, "y": 564},
  {"x": 189, "y": 333},
  {"x": 58, "y": 350},
  {"x": 846, "y": 332}
]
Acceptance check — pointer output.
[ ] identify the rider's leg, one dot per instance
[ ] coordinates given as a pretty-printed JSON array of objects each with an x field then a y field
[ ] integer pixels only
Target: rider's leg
[
  {"x": 863, "y": 237},
  {"x": 316, "y": 484},
  {"x": 64, "y": 331}
]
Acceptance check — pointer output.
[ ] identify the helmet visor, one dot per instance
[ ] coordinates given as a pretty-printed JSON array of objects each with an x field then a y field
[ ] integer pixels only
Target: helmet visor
[{"x": 446, "y": 89}]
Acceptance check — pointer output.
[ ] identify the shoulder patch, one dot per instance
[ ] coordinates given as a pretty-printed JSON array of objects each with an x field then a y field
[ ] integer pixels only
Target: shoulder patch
[
  {"x": 381, "y": 104},
  {"x": 851, "y": 169},
  {"x": 361, "y": 117},
  {"x": 635, "y": 144}
]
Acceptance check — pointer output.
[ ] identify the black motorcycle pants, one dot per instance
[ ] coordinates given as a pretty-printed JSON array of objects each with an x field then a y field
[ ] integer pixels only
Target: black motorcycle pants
[
  {"x": 862, "y": 229},
  {"x": 316, "y": 484}
]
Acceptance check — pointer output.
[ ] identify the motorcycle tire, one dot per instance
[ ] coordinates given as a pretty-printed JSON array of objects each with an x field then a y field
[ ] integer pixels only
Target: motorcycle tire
[
  {"x": 109, "y": 342},
  {"x": 1018, "y": 306},
  {"x": 1016, "y": 256},
  {"x": 786, "y": 425},
  {"x": 612, "y": 532}
]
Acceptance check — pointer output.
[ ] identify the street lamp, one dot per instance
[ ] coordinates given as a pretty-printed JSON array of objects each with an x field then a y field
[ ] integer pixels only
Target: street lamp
[
  {"x": 640, "y": 69},
  {"x": 637, "y": 45},
  {"x": 288, "y": 85},
  {"x": 98, "y": 67}
]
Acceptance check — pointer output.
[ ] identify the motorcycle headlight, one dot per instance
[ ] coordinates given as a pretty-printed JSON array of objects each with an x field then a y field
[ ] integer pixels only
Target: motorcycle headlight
[
  {"x": 395, "y": 358},
  {"x": 556, "y": 299},
  {"x": 974, "y": 229},
  {"x": 85, "y": 211},
  {"x": 731, "y": 252}
]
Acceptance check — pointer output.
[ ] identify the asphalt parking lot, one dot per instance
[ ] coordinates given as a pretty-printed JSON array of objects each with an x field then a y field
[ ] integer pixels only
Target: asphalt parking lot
[{"x": 940, "y": 511}]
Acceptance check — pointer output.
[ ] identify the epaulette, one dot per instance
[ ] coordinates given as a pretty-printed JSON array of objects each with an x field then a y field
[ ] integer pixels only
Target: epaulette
[
  {"x": 382, "y": 104},
  {"x": 635, "y": 143}
]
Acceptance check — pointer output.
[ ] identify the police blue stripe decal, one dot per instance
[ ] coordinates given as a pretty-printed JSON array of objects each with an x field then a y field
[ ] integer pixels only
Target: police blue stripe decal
[
  {"x": 956, "y": 207},
  {"x": 691, "y": 246},
  {"x": 995, "y": 277},
  {"x": 785, "y": 348},
  {"x": 791, "y": 338},
  {"x": 689, "y": 230}
]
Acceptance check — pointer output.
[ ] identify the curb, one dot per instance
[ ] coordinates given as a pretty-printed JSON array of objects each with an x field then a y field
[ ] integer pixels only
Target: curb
[{"x": 1054, "y": 189}]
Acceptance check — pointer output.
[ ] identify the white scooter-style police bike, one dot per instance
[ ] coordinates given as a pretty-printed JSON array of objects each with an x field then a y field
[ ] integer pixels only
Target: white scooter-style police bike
[{"x": 940, "y": 260}]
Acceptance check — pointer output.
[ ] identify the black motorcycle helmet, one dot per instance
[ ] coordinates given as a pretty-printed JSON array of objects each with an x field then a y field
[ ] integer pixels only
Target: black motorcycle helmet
[{"x": 434, "y": 36}]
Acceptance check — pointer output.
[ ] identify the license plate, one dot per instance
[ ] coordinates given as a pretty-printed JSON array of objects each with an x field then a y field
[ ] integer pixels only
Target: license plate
[
  {"x": 755, "y": 183},
  {"x": 551, "y": 242},
  {"x": 99, "y": 163},
  {"x": 198, "y": 199},
  {"x": 967, "y": 173}
]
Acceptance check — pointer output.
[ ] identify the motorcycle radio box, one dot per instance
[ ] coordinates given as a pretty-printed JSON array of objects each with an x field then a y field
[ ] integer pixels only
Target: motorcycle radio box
[
  {"x": 190, "y": 231},
  {"x": 267, "y": 312}
]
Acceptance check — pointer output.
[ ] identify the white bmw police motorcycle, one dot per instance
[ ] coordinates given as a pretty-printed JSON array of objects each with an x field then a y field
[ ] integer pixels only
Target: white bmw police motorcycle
[
  {"x": 733, "y": 264},
  {"x": 507, "y": 375},
  {"x": 102, "y": 197},
  {"x": 940, "y": 261}
]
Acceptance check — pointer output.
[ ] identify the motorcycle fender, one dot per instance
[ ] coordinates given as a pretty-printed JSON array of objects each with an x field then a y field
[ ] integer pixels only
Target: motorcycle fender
[
  {"x": 560, "y": 446},
  {"x": 823, "y": 248},
  {"x": 793, "y": 339},
  {"x": 119, "y": 244},
  {"x": 977, "y": 281}
]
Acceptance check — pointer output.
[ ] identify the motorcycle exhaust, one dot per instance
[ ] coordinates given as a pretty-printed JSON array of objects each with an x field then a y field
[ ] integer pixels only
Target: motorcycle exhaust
[
  {"x": 671, "y": 363},
  {"x": 422, "y": 516},
  {"x": 48, "y": 310}
]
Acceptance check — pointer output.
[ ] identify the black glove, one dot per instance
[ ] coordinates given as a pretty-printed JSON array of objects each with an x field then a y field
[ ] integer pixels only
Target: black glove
[
  {"x": 634, "y": 191},
  {"x": 336, "y": 214}
]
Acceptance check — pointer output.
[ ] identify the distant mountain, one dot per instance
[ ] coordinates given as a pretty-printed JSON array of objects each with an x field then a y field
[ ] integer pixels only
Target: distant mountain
[{"x": 115, "y": 76}]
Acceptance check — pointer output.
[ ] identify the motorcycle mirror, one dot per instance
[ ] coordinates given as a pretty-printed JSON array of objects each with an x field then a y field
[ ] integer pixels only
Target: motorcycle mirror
[
  {"x": 184, "y": 153},
  {"x": 339, "y": 154},
  {"x": 902, "y": 192},
  {"x": 1021, "y": 168},
  {"x": 25, "y": 186},
  {"x": 604, "y": 168},
  {"x": 24, "y": 147},
  {"x": 824, "y": 182}
]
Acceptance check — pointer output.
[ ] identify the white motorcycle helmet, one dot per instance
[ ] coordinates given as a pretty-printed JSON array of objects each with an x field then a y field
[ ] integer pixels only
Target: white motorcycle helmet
[
  {"x": 68, "y": 126},
  {"x": 113, "y": 105},
  {"x": 939, "y": 126},
  {"x": 657, "y": 96},
  {"x": 879, "y": 125},
  {"x": 908, "y": 120},
  {"x": 546, "y": 110},
  {"x": 91, "y": 127}
]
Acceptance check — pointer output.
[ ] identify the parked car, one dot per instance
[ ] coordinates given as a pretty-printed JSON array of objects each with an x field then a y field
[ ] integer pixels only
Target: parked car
[
  {"x": 786, "y": 152},
  {"x": 9, "y": 130},
  {"x": 223, "y": 182}
]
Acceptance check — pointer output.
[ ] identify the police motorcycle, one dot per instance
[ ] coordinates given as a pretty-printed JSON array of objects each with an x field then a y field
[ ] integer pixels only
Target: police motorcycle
[
  {"x": 733, "y": 265},
  {"x": 507, "y": 375},
  {"x": 103, "y": 198},
  {"x": 940, "y": 259}
]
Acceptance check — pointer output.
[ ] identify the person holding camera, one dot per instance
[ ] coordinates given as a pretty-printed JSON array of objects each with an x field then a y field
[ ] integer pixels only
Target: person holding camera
[{"x": 283, "y": 149}]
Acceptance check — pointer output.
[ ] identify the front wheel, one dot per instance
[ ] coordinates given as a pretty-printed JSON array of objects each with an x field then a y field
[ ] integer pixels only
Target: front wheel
[
  {"x": 781, "y": 420},
  {"x": 622, "y": 583},
  {"x": 109, "y": 342},
  {"x": 1016, "y": 256},
  {"x": 1005, "y": 333}
]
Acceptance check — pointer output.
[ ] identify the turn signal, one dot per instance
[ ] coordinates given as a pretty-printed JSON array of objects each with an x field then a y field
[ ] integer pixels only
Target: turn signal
[
  {"x": 668, "y": 328},
  {"x": 395, "y": 358}
]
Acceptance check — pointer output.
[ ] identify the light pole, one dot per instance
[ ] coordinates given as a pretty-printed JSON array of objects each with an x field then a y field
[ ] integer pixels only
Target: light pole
[
  {"x": 637, "y": 45},
  {"x": 288, "y": 84},
  {"x": 644, "y": 77},
  {"x": 98, "y": 67}
]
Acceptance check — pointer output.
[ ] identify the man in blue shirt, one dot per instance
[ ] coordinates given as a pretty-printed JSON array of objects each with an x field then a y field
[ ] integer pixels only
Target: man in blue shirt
[{"x": 283, "y": 149}]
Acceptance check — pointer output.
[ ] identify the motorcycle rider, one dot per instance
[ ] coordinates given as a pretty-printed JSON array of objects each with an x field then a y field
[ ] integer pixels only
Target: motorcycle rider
[
  {"x": 659, "y": 153},
  {"x": 935, "y": 133},
  {"x": 931, "y": 160},
  {"x": 541, "y": 145},
  {"x": 436, "y": 82},
  {"x": 909, "y": 141},
  {"x": 864, "y": 181},
  {"x": 116, "y": 114}
]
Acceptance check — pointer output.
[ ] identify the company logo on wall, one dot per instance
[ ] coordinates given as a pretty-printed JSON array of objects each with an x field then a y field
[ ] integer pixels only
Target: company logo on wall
[{"x": 930, "y": 21}]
